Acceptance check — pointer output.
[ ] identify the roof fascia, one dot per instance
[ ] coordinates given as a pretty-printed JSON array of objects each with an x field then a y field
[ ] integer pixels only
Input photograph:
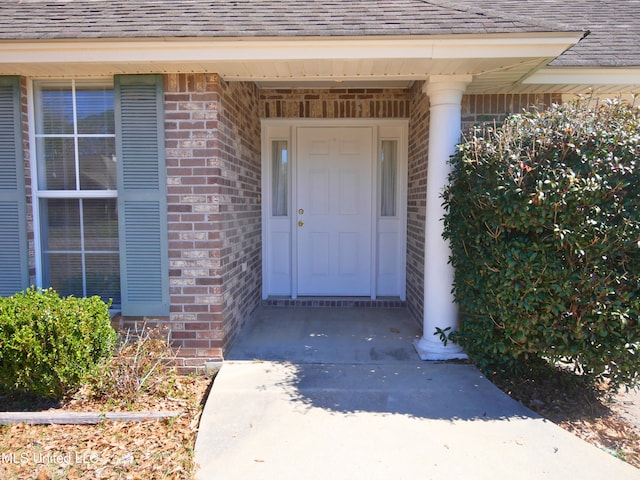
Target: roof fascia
[
  {"x": 248, "y": 49},
  {"x": 585, "y": 76}
]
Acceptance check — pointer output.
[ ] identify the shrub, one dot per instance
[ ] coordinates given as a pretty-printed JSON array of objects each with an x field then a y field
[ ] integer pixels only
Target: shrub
[
  {"x": 141, "y": 364},
  {"x": 544, "y": 224},
  {"x": 49, "y": 344}
]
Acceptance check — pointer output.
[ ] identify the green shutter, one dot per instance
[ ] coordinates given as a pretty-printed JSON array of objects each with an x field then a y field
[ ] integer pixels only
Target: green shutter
[
  {"x": 142, "y": 195},
  {"x": 14, "y": 263}
]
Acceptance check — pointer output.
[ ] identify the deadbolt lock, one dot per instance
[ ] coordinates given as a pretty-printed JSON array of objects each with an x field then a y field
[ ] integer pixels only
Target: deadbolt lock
[{"x": 301, "y": 211}]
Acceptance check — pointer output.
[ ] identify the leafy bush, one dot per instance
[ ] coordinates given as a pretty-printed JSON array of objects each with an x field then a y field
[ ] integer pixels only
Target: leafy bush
[
  {"x": 544, "y": 224},
  {"x": 49, "y": 344}
]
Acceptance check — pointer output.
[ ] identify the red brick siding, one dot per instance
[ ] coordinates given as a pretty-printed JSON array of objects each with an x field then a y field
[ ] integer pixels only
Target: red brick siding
[
  {"x": 417, "y": 198},
  {"x": 212, "y": 135},
  {"x": 493, "y": 108},
  {"x": 239, "y": 217},
  {"x": 190, "y": 125},
  {"x": 334, "y": 103}
]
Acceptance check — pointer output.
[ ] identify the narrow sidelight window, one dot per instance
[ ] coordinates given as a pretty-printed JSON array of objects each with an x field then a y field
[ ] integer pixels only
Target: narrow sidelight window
[
  {"x": 388, "y": 178},
  {"x": 280, "y": 181}
]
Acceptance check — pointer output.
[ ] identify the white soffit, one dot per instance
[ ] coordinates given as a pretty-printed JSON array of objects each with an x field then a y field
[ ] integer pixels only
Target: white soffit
[{"x": 399, "y": 59}]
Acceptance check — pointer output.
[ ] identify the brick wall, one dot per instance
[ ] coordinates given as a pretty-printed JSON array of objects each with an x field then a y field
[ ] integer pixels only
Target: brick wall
[
  {"x": 417, "y": 198},
  {"x": 493, "y": 108},
  {"x": 213, "y": 167},
  {"x": 239, "y": 217},
  {"x": 334, "y": 103}
]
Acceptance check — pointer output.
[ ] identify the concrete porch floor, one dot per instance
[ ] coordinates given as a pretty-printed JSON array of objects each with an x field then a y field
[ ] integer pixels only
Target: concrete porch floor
[
  {"x": 328, "y": 335},
  {"x": 319, "y": 393}
]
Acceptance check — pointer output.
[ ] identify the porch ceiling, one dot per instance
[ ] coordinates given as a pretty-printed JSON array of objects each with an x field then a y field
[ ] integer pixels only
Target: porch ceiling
[
  {"x": 489, "y": 74},
  {"x": 498, "y": 63}
]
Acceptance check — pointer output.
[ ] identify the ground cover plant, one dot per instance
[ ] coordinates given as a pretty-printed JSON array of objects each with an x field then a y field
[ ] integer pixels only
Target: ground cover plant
[{"x": 543, "y": 218}]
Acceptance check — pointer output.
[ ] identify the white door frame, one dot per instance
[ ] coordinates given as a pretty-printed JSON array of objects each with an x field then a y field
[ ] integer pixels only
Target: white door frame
[{"x": 279, "y": 234}]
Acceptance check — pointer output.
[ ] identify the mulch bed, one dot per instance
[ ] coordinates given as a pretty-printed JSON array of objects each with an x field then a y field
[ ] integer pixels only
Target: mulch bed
[{"x": 153, "y": 449}]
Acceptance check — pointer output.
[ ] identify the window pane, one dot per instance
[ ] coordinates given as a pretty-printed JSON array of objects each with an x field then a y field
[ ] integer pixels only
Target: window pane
[
  {"x": 57, "y": 169},
  {"x": 77, "y": 265},
  {"x": 103, "y": 276},
  {"x": 55, "y": 106},
  {"x": 100, "y": 224},
  {"x": 97, "y": 163},
  {"x": 280, "y": 183},
  {"x": 76, "y": 151},
  {"x": 94, "y": 109},
  {"x": 63, "y": 272},
  {"x": 63, "y": 224},
  {"x": 388, "y": 177}
]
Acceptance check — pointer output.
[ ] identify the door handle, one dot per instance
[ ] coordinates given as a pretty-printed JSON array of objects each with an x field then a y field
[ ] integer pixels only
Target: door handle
[{"x": 301, "y": 223}]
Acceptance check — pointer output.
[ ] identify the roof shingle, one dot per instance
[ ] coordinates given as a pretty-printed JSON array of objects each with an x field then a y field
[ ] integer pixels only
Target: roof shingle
[
  {"x": 614, "y": 26},
  {"x": 49, "y": 19}
]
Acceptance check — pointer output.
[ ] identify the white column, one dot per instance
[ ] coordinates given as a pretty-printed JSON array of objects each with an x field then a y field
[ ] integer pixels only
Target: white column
[{"x": 445, "y": 98}]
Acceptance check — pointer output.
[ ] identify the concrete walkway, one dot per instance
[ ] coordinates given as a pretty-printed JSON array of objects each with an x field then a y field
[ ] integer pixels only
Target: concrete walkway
[{"x": 340, "y": 394}]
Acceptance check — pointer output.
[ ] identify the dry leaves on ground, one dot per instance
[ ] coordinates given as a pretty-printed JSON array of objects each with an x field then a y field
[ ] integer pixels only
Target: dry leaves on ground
[{"x": 156, "y": 449}]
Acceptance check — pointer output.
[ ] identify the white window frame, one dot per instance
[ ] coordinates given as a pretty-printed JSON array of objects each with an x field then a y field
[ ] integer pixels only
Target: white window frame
[{"x": 37, "y": 193}]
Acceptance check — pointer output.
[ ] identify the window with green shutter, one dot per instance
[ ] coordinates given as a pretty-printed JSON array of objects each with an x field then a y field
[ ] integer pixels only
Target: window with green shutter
[{"x": 101, "y": 190}]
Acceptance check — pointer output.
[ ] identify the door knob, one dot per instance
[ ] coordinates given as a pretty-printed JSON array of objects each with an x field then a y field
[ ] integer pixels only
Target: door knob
[
  {"x": 301, "y": 211},
  {"x": 301, "y": 223}
]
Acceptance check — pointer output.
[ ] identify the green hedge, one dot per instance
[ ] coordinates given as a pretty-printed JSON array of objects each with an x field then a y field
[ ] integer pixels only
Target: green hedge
[
  {"x": 544, "y": 224},
  {"x": 49, "y": 344}
]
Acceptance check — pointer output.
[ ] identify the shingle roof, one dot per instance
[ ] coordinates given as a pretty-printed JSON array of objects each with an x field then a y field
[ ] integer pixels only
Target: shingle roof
[
  {"x": 56, "y": 19},
  {"x": 614, "y": 25}
]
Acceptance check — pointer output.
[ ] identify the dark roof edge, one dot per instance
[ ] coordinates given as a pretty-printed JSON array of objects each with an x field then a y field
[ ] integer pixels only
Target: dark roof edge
[{"x": 288, "y": 38}]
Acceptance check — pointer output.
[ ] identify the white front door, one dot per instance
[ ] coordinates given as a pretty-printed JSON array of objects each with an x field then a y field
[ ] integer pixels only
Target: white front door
[{"x": 333, "y": 209}]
